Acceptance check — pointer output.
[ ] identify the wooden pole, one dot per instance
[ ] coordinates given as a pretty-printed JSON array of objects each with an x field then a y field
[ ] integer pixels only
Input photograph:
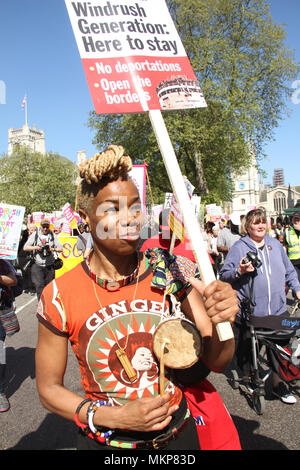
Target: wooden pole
[{"x": 190, "y": 221}]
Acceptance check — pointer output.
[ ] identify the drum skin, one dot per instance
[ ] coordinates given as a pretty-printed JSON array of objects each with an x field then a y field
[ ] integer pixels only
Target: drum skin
[{"x": 183, "y": 343}]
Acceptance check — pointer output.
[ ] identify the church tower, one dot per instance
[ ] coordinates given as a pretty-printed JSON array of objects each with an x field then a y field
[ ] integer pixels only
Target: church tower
[
  {"x": 246, "y": 187},
  {"x": 32, "y": 138}
]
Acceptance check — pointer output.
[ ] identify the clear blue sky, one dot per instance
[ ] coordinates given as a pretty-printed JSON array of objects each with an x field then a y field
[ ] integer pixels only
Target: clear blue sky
[{"x": 39, "y": 57}]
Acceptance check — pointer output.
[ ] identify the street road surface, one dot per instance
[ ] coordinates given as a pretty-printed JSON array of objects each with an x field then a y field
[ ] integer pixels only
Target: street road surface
[{"x": 28, "y": 426}]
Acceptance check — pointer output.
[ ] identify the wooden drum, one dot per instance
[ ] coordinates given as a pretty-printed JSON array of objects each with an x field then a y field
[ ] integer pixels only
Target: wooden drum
[{"x": 178, "y": 341}]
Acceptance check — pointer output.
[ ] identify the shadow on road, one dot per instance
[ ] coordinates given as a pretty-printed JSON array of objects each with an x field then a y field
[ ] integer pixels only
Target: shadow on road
[
  {"x": 57, "y": 433},
  {"x": 249, "y": 440},
  {"x": 20, "y": 365},
  {"x": 54, "y": 433}
]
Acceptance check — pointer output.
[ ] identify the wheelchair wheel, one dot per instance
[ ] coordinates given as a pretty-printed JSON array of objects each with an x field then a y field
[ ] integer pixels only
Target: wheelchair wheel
[
  {"x": 258, "y": 402},
  {"x": 234, "y": 379}
]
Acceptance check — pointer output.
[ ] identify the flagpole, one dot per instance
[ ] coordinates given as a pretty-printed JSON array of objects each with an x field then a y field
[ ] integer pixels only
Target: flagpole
[{"x": 26, "y": 110}]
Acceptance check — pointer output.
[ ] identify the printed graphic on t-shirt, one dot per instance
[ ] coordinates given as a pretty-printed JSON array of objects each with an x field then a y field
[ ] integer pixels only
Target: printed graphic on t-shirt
[
  {"x": 96, "y": 333},
  {"x": 133, "y": 333}
]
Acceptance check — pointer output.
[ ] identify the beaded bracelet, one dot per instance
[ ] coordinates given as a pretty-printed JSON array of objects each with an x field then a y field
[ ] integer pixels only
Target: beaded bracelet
[
  {"x": 90, "y": 417},
  {"x": 76, "y": 416}
]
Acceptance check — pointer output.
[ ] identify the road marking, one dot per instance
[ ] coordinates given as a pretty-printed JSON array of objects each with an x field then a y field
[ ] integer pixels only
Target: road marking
[{"x": 23, "y": 306}]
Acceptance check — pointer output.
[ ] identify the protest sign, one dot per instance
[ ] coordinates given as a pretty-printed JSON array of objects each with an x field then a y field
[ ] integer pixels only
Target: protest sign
[
  {"x": 176, "y": 219},
  {"x": 70, "y": 216},
  {"x": 168, "y": 201},
  {"x": 70, "y": 255},
  {"x": 196, "y": 202},
  {"x": 133, "y": 57},
  {"x": 37, "y": 217},
  {"x": 214, "y": 213},
  {"x": 134, "y": 61},
  {"x": 11, "y": 219},
  {"x": 138, "y": 174},
  {"x": 155, "y": 211}
]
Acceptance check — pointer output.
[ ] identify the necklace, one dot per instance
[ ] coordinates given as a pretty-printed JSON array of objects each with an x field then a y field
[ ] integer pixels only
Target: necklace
[
  {"x": 259, "y": 244},
  {"x": 112, "y": 285},
  {"x": 121, "y": 352}
]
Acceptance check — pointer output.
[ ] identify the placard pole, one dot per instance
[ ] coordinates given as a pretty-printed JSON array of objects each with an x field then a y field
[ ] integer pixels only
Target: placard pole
[
  {"x": 173, "y": 240},
  {"x": 190, "y": 221}
]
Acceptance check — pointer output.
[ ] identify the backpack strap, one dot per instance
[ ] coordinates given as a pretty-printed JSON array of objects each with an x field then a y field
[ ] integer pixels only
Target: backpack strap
[
  {"x": 248, "y": 304},
  {"x": 33, "y": 253}
]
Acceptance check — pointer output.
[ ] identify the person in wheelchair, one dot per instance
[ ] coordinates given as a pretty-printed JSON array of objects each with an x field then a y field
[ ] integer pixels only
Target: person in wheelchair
[{"x": 258, "y": 268}]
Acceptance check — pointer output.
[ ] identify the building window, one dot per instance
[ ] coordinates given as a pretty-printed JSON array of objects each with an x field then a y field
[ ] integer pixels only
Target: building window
[
  {"x": 243, "y": 202},
  {"x": 279, "y": 202}
]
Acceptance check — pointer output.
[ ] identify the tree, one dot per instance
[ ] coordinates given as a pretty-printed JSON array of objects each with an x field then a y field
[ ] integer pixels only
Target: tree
[
  {"x": 203, "y": 141},
  {"x": 244, "y": 67},
  {"x": 240, "y": 58},
  {"x": 38, "y": 182}
]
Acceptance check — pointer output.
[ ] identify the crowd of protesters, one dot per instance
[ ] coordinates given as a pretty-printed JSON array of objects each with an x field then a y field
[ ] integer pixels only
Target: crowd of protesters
[{"x": 228, "y": 243}]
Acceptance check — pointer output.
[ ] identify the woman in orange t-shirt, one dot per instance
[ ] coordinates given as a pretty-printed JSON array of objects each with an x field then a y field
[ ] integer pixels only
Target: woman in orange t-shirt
[{"x": 109, "y": 307}]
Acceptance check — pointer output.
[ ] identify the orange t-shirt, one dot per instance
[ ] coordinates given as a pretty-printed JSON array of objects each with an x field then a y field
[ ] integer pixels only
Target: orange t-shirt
[{"x": 69, "y": 307}]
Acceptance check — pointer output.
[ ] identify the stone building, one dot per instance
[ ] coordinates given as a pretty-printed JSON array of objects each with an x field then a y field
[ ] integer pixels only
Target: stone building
[
  {"x": 278, "y": 200},
  {"x": 246, "y": 189},
  {"x": 32, "y": 138}
]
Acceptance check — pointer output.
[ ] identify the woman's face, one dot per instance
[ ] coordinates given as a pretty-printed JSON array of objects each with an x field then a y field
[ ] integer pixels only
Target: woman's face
[
  {"x": 116, "y": 217},
  {"x": 257, "y": 230},
  {"x": 31, "y": 228},
  {"x": 296, "y": 223}
]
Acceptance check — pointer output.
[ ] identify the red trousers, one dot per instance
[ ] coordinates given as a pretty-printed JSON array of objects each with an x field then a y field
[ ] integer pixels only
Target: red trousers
[{"x": 215, "y": 428}]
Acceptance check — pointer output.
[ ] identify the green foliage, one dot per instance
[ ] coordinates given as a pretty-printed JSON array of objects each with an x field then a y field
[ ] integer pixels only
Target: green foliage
[
  {"x": 38, "y": 182},
  {"x": 244, "y": 68},
  {"x": 198, "y": 132},
  {"x": 240, "y": 58}
]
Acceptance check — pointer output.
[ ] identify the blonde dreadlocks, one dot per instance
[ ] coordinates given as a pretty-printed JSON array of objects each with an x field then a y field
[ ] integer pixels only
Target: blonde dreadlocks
[{"x": 100, "y": 170}]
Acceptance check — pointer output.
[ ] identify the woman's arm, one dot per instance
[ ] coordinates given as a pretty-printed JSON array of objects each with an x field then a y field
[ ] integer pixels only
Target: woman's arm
[
  {"x": 57, "y": 245},
  {"x": 8, "y": 280},
  {"x": 207, "y": 307},
  {"x": 144, "y": 414},
  {"x": 233, "y": 265},
  {"x": 31, "y": 245},
  {"x": 51, "y": 361}
]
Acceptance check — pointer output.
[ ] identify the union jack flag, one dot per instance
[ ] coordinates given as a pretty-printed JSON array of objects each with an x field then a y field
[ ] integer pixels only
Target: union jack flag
[{"x": 24, "y": 101}]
